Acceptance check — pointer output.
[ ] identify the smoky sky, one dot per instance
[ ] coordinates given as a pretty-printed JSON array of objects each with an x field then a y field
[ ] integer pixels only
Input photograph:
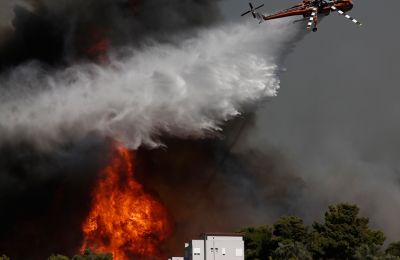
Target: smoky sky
[
  {"x": 60, "y": 32},
  {"x": 207, "y": 189},
  {"x": 46, "y": 194},
  {"x": 41, "y": 187},
  {"x": 336, "y": 118},
  {"x": 43, "y": 196},
  {"x": 329, "y": 136}
]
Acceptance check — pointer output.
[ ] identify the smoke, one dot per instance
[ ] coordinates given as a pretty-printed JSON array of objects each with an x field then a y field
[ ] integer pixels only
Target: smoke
[
  {"x": 6, "y": 13},
  {"x": 207, "y": 187},
  {"x": 173, "y": 75},
  {"x": 45, "y": 196},
  {"x": 5, "y": 18},
  {"x": 183, "y": 91},
  {"x": 183, "y": 74},
  {"x": 337, "y": 123},
  {"x": 60, "y": 32}
]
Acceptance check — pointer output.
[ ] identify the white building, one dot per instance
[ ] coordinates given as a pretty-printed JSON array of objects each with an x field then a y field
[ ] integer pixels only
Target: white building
[{"x": 215, "y": 246}]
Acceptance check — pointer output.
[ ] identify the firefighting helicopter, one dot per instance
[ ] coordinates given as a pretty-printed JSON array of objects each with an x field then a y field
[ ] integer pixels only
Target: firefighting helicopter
[{"x": 310, "y": 10}]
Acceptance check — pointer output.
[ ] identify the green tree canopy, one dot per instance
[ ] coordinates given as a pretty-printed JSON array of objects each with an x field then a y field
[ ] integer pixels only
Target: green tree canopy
[
  {"x": 289, "y": 229},
  {"x": 292, "y": 251},
  {"x": 58, "y": 257},
  {"x": 393, "y": 249},
  {"x": 343, "y": 233},
  {"x": 258, "y": 242}
]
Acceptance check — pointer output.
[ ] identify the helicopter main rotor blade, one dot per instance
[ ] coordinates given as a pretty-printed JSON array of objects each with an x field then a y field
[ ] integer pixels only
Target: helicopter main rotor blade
[
  {"x": 254, "y": 12},
  {"x": 246, "y": 13},
  {"x": 334, "y": 8},
  {"x": 259, "y": 7}
]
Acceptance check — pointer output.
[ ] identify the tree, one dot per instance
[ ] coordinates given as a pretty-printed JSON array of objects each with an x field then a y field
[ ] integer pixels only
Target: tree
[
  {"x": 292, "y": 251},
  {"x": 89, "y": 255},
  {"x": 343, "y": 233},
  {"x": 258, "y": 242},
  {"x": 4, "y": 257},
  {"x": 364, "y": 253},
  {"x": 58, "y": 257},
  {"x": 389, "y": 257},
  {"x": 393, "y": 249},
  {"x": 290, "y": 229}
]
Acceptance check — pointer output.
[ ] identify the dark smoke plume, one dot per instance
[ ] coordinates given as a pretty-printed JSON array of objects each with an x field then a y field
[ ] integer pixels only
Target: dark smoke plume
[
  {"x": 45, "y": 193},
  {"x": 208, "y": 188},
  {"x": 45, "y": 196},
  {"x": 61, "y": 31}
]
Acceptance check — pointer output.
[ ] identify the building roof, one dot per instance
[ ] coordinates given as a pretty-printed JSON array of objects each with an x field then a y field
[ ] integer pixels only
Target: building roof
[{"x": 221, "y": 234}]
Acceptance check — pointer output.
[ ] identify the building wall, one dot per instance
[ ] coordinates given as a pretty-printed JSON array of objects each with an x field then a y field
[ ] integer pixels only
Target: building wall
[
  {"x": 195, "y": 250},
  {"x": 224, "y": 248},
  {"x": 215, "y": 247}
]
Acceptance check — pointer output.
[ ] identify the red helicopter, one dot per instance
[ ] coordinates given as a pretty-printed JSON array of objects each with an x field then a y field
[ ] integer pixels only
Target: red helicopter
[{"x": 310, "y": 10}]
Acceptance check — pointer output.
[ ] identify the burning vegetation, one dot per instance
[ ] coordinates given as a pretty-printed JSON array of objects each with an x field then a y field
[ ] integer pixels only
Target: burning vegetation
[{"x": 124, "y": 219}]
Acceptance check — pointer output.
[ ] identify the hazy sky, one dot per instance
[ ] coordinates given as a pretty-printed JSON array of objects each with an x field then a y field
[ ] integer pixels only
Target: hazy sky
[
  {"x": 5, "y": 13},
  {"x": 337, "y": 116}
]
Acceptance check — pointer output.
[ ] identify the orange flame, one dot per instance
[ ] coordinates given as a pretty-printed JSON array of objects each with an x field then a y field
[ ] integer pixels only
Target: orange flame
[{"x": 124, "y": 220}]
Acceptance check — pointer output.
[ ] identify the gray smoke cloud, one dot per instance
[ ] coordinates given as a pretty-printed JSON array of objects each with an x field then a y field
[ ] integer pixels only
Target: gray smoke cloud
[
  {"x": 206, "y": 187},
  {"x": 330, "y": 136},
  {"x": 6, "y": 15},
  {"x": 335, "y": 120},
  {"x": 61, "y": 32},
  {"x": 126, "y": 22},
  {"x": 183, "y": 80},
  {"x": 186, "y": 89}
]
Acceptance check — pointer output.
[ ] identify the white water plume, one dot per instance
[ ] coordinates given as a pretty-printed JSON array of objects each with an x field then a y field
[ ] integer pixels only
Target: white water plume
[{"x": 186, "y": 91}]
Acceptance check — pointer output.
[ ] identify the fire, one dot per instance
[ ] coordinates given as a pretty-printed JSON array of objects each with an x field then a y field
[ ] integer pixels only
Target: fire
[
  {"x": 99, "y": 50},
  {"x": 124, "y": 219},
  {"x": 93, "y": 43}
]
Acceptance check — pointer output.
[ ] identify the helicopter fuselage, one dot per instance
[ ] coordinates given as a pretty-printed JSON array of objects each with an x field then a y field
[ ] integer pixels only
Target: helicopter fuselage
[{"x": 306, "y": 8}]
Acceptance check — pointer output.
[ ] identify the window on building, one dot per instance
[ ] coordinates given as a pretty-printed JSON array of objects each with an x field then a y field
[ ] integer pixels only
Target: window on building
[
  {"x": 239, "y": 252},
  {"x": 196, "y": 251}
]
